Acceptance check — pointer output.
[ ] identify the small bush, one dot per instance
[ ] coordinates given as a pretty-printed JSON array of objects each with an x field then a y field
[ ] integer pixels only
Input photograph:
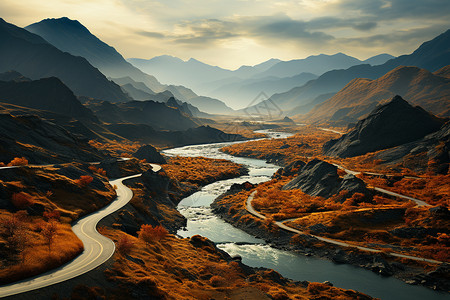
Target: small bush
[
  {"x": 18, "y": 161},
  {"x": 124, "y": 244},
  {"x": 84, "y": 180},
  {"x": 149, "y": 234}
]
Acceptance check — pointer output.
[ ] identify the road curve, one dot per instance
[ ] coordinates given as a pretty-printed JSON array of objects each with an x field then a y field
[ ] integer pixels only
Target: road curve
[
  {"x": 251, "y": 210},
  {"x": 97, "y": 248}
]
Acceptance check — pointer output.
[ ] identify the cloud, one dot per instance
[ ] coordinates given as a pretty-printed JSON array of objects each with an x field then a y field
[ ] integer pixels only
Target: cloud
[
  {"x": 151, "y": 34},
  {"x": 247, "y": 31}
]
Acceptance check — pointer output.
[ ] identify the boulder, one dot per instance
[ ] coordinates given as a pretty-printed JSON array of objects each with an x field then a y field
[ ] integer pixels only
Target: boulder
[{"x": 150, "y": 154}]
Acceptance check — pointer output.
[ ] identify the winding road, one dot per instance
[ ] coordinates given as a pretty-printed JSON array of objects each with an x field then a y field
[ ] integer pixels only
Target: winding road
[
  {"x": 251, "y": 210},
  {"x": 97, "y": 248}
]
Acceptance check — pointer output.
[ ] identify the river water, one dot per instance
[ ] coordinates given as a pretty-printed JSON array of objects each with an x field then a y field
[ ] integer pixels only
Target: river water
[{"x": 256, "y": 253}]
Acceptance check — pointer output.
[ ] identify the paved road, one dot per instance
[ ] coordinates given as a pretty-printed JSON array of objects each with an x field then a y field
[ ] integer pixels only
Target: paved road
[
  {"x": 281, "y": 224},
  {"x": 97, "y": 248}
]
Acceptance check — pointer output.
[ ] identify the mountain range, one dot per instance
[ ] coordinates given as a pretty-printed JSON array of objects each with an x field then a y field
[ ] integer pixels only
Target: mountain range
[
  {"x": 431, "y": 55},
  {"x": 35, "y": 58},
  {"x": 240, "y": 86},
  {"x": 72, "y": 37}
]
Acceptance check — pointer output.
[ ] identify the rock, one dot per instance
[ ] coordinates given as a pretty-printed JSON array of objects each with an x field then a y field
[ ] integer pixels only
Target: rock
[
  {"x": 389, "y": 125},
  {"x": 236, "y": 257},
  {"x": 319, "y": 178},
  {"x": 339, "y": 256},
  {"x": 111, "y": 166},
  {"x": 353, "y": 184},
  {"x": 150, "y": 154},
  {"x": 247, "y": 186},
  {"x": 328, "y": 283},
  {"x": 440, "y": 212},
  {"x": 156, "y": 181}
]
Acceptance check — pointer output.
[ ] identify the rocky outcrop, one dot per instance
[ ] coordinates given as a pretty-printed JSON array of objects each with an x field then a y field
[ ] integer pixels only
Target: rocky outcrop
[
  {"x": 319, "y": 178},
  {"x": 292, "y": 169},
  {"x": 389, "y": 125},
  {"x": 150, "y": 154}
]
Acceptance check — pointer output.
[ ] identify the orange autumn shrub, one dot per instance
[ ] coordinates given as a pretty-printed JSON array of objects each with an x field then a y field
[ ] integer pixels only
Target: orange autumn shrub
[
  {"x": 124, "y": 244},
  {"x": 99, "y": 171},
  {"x": 84, "y": 180},
  {"x": 18, "y": 161},
  {"x": 150, "y": 234}
]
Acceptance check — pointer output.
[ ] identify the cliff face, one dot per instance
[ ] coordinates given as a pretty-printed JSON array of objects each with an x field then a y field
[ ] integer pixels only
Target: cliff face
[{"x": 389, "y": 125}]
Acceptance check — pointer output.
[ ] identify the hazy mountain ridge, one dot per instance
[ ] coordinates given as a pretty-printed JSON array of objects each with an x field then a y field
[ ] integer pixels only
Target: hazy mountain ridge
[
  {"x": 244, "y": 84},
  {"x": 72, "y": 37},
  {"x": 419, "y": 86},
  {"x": 33, "y": 57},
  {"x": 431, "y": 55}
]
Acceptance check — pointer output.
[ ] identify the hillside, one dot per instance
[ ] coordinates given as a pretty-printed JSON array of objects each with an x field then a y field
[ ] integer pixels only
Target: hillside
[
  {"x": 419, "y": 86},
  {"x": 155, "y": 114},
  {"x": 389, "y": 125},
  {"x": 41, "y": 142},
  {"x": 45, "y": 94},
  {"x": 33, "y": 57}
]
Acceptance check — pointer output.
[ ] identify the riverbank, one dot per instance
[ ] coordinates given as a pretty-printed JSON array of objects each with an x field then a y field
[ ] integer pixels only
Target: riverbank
[{"x": 415, "y": 273}]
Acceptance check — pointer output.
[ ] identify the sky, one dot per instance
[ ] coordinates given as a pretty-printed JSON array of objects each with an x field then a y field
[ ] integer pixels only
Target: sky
[{"x": 232, "y": 33}]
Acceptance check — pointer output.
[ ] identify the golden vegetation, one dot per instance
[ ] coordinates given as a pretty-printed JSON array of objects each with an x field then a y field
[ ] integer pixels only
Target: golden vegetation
[
  {"x": 301, "y": 146},
  {"x": 174, "y": 268},
  {"x": 17, "y": 161},
  {"x": 200, "y": 170},
  {"x": 33, "y": 245},
  {"x": 35, "y": 233}
]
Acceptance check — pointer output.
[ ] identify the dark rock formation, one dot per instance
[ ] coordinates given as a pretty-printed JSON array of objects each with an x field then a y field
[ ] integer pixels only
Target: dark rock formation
[
  {"x": 150, "y": 154},
  {"x": 389, "y": 125},
  {"x": 319, "y": 178},
  {"x": 292, "y": 169},
  {"x": 435, "y": 147}
]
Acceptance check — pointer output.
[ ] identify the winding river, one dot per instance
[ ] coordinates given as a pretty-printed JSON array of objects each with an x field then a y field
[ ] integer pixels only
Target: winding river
[{"x": 256, "y": 253}]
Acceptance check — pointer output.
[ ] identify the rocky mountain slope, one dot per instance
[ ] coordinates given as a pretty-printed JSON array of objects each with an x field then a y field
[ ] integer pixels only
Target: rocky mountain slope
[
  {"x": 389, "y": 125},
  {"x": 431, "y": 153},
  {"x": 156, "y": 114}
]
